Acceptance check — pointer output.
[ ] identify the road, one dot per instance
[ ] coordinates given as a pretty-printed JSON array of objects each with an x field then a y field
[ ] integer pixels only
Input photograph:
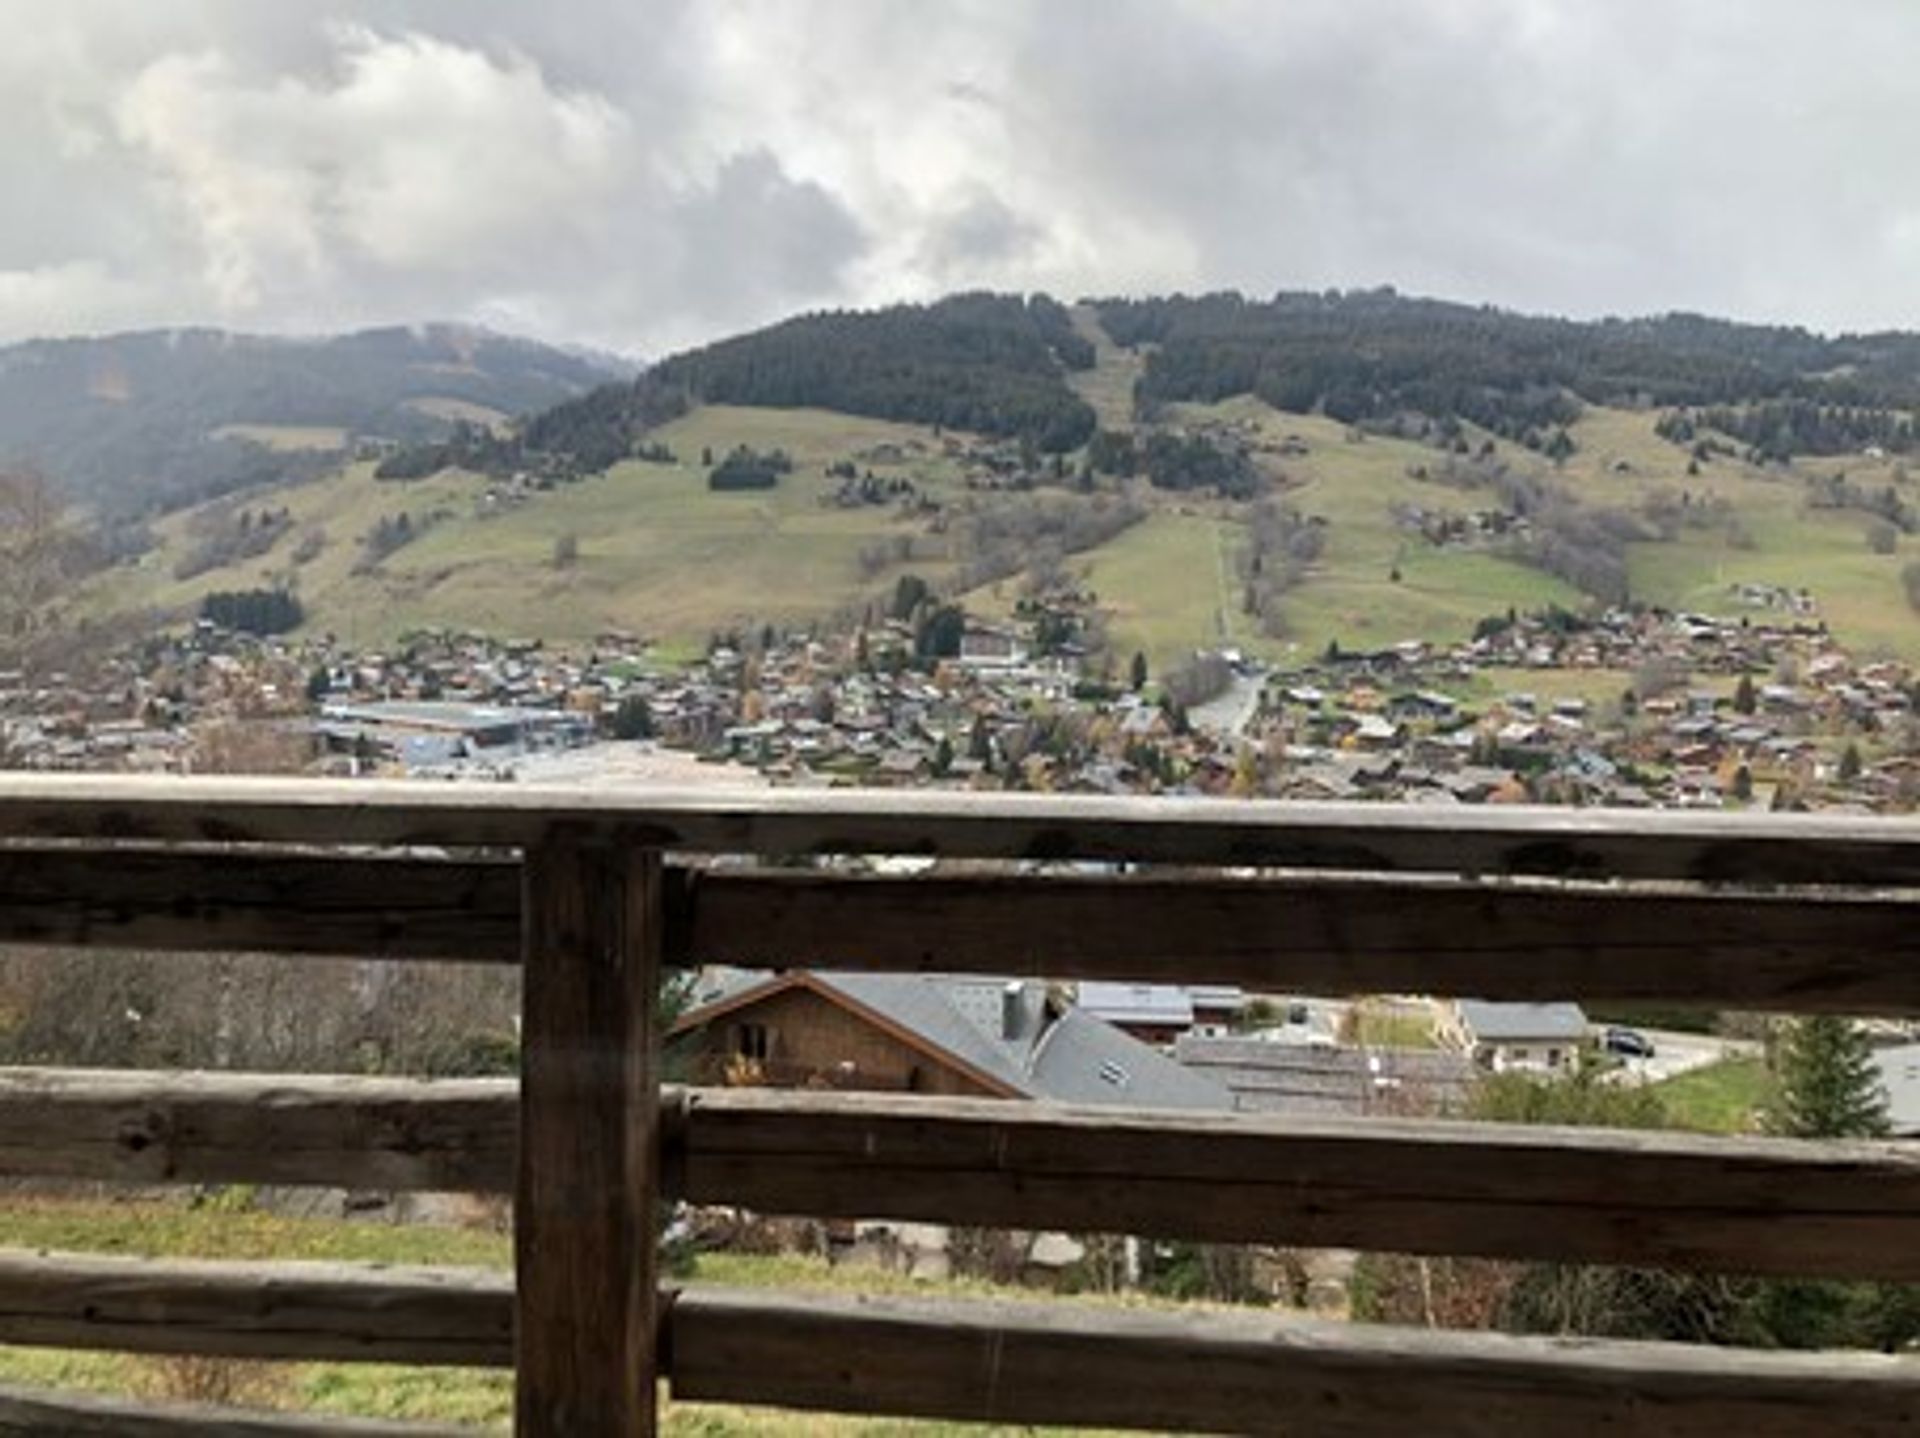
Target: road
[
  {"x": 1233, "y": 710},
  {"x": 1676, "y": 1053}
]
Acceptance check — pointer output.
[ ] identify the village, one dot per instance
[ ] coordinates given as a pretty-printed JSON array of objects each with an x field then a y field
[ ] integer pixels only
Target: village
[{"x": 1629, "y": 708}]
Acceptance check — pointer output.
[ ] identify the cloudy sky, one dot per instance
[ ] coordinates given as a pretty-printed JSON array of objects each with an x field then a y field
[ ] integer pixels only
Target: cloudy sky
[{"x": 642, "y": 174}]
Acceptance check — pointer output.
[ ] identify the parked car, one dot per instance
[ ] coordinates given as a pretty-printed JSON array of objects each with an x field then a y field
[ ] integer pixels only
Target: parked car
[{"x": 1627, "y": 1043}]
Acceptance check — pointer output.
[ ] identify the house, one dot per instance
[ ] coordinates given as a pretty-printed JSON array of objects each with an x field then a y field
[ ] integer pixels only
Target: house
[
  {"x": 960, "y": 1036},
  {"x": 1504, "y": 1038},
  {"x": 1160, "y": 1013},
  {"x": 1900, "y": 1076}
]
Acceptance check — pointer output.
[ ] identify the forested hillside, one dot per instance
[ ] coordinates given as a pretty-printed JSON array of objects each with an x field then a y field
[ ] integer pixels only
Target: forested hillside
[
  {"x": 1375, "y": 355},
  {"x": 989, "y": 364},
  {"x": 136, "y": 423}
]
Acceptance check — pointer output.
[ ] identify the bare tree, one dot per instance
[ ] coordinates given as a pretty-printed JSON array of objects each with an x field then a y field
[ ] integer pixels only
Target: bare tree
[{"x": 33, "y": 555}]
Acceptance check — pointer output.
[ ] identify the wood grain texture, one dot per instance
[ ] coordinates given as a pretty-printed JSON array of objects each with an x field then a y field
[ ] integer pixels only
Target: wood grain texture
[
  {"x": 389, "y": 908},
  {"x": 1784, "y": 1207},
  {"x": 585, "y": 1246},
  {"x": 1314, "y": 934},
  {"x": 316, "y": 1311},
  {"x": 1676, "y": 1200},
  {"x": 1392, "y": 838},
  {"x": 1246, "y": 1373},
  {"x": 88, "y": 1415},
  {"x": 382, "y": 1133}
]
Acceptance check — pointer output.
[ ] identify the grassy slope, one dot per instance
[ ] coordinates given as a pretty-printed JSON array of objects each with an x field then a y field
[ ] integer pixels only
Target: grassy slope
[
  {"x": 659, "y": 552},
  {"x": 1350, "y": 595},
  {"x": 1721, "y": 1098},
  {"x": 662, "y": 555}
]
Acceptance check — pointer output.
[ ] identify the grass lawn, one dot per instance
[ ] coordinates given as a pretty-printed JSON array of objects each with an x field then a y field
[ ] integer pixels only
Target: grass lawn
[{"x": 1721, "y": 1098}]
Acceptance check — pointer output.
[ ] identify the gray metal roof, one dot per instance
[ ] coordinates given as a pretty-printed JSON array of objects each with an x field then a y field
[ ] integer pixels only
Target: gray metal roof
[
  {"x": 1900, "y": 1077},
  {"x": 1119, "y": 1003},
  {"x": 1490, "y": 1022},
  {"x": 1073, "y": 1057},
  {"x": 1320, "y": 1080},
  {"x": 1083, "y": 1060}
]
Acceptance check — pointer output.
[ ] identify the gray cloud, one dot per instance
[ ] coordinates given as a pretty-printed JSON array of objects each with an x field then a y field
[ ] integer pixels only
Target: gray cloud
[{"x": 644, "y": 175}]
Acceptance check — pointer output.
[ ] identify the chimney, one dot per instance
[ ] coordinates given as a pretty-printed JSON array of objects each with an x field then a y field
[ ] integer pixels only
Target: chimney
[{"x": 1012, "y": 1008}]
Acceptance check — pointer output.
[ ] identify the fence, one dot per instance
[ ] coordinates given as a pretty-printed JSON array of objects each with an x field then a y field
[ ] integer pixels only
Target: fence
[{"x": 594, "y": 893}]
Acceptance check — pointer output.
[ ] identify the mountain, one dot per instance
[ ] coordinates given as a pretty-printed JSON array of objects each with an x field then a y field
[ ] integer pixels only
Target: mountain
[
  {"x": 1271, "y": 475},
  {"x": 992, "y": 364},
  {"x": 144, "y": 422},
  {"x": 1375, "y": 355}
]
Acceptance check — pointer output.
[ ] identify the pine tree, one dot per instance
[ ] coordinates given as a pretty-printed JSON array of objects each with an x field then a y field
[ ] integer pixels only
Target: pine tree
[
  {"x": 1137, "y": 672},
  {"x": 1827, "y": 1086},
  {"x": 1744, "y": 699},
  {"x": 1850, "y": 764}
]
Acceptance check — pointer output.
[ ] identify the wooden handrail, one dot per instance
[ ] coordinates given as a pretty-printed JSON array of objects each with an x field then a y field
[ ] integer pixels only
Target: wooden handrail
[
  {"x": 1677, "y": 944},
  {"x": 1359, "y": 838}
]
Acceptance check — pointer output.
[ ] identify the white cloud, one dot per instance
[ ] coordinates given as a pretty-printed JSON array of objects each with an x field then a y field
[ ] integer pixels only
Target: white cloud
[{"x": 648, "y": 174}]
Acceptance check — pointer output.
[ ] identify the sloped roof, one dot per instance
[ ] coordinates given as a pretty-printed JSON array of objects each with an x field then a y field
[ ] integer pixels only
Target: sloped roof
[
  {"x": 1490, "y": 1022},
  {"x": 1070, "y": 1058},
  {"x": 1081, "y": 1059},
  {"x": 1900, "y": 1077},
  {"x": 1136, "y": 1003}
]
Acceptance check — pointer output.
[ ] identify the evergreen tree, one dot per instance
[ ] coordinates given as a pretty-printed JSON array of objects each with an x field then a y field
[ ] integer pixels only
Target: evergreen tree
[
  {"x": 1744, "y": 699},
  {"x": 1137, "y": 671},
  {"x": 1826, "y": 1083},
  {"x": 1850, "y": 764},
  {"x": 633, "y": 719}
]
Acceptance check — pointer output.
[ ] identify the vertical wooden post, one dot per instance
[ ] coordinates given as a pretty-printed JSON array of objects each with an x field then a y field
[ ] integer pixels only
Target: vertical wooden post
[{"x": 584, "y": 1231}]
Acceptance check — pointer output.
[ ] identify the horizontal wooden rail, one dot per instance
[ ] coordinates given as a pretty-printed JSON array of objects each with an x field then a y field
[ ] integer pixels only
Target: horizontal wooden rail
[
  {"x": 87, "y": 1415},
  {"x": 1801, "y": 952},
  {"x": 1249, "y": 1373},
  {"x": 123, "y": 1126},
  {"x": 1497, "y": 1190},
  {"x": 1361, "y": 838},
  {"x": 1306, "y": 934},
  {"x": 1658, "y": 1199},
  {"x": 1214, "y": 1371},
  {"x": 309, "y": 1311},
  {"x": 390, "y": 908}
]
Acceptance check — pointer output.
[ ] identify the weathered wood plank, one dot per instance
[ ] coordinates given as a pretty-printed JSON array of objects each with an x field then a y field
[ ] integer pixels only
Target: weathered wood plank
[
  {"x": 317, "y": 1311},
  {"x": 1314, "y": 934},
  {"x": 393, "y": 908},
  {"x": 134, "y": 1127},
  {"x": 1846, "y": 1209},
  {"x": 1247, "y": 1373},
  {"x": 1674, "y": 1200},
  {"x": 1569, "y": 843},
  {"x": 45, "y": 1414},
  {"x": 589, "y": 1170}
]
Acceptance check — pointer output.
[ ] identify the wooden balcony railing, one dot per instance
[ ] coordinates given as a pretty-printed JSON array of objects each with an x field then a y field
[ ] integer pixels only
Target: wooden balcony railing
[{"x": 592, "y": 895}]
